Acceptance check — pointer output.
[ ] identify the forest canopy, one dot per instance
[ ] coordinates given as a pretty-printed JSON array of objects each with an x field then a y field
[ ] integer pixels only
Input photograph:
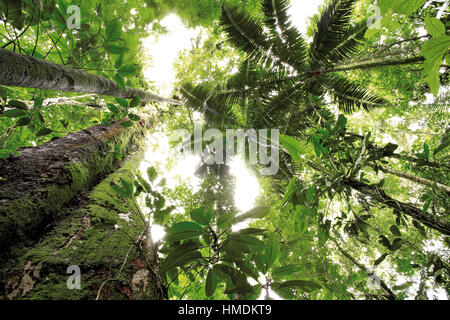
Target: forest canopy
[{"x": 224, "y": 150}]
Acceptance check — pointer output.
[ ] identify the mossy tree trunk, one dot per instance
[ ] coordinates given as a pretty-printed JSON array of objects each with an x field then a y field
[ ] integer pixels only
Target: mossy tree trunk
[
  {"x": 101, "y": 235},
  {"x": 39, "y": 182},
  {"x": 23, "y": 71}
]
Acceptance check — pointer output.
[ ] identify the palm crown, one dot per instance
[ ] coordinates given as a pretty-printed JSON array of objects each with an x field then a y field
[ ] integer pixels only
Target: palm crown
[{"x": 284, "y": 79}]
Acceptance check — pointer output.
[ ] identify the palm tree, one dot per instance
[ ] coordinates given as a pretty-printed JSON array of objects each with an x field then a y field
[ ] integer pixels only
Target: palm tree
[{"x": 284, "y": 81}]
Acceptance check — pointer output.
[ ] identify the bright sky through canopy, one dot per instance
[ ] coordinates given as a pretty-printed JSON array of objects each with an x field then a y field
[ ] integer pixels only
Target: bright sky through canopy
[
  {"x": 301, "y": 10},
  {"x": 163, "y": 51}
]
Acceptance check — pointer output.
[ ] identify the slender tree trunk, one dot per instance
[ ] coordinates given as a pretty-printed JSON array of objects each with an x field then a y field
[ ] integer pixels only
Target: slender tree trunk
[
  {"x": 383, "y": 285},
  {"x": 380, "y": 196},
  {"x": 23, "y": 71},
  {"x": 36, "y": 184},
  {"x": 376, "y": 63},
  {"x": 101, "y": 235},
  {"x": 419, "y": 180}
]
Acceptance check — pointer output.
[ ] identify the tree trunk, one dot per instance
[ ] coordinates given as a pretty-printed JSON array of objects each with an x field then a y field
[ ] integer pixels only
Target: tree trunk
[
  {"x": 104, "y": 237},
  {"x": 419, "y": 180},
  {"x": 376, "y": 63},
  {"x": 380, "y": 196},
  {"x": 36, "y": 184},
  {"x": 23, "y": 71}
]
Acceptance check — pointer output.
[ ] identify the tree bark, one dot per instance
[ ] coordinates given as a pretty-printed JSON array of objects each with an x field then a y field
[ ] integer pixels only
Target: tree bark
[
  {"x": 419, "y": 180},
  {"x": 101, "y": 234},
  {"x": 23, "y": 71},
  {"x": 36, "y": 184},
  {"x": 380, "y": 196},
  {"x": 376, "y": 63}
]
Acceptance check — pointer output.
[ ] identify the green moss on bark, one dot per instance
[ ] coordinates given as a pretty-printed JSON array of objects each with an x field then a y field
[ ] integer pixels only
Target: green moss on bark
[
  {"x": 24, "y": 219},
  {"x": 94, "y": 236}
]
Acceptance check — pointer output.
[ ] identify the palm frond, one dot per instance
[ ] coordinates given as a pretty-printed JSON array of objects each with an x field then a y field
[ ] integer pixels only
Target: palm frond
[
  {"x": 351, "y": 39},
  {"x": 332, "y": 25},
  {"x": 350, "y": 95},
  {"x": 247, "y": 34},
  {"x": 294, "y": 49},
  {"x": 203, "y": 98},
  {"x": 256, "y": 82}
]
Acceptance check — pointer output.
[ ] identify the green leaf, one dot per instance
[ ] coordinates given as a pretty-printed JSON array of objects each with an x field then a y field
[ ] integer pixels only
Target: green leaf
[
  {"x": 272, "y": 248},
  {"x": 310, "y": 194},
  {"x": 122, "y": 102},
  {"x": 17, "y": 104},
  {"x": 389, "y": 149},
  {"x": 317, "y": 146},
  {"x": 14, "y": 14},
  {"x": 255, "y": 213},
  {"x": 39, "y": 115},
  {"x": 260, "y": 263},
  {"x": 44, "y": 132},
  {"x": 341, "y": 122},
  {"x": 211, "y": 283},
  {"x": 184, "y": 230},
  {"x": 120, "y": 81},
  {"x": 300, "y": 284},
  {"x": 126, "y": 124},
  {"x": 405, "y": 7},
  {"x": 201, "y": 216},
  {"x": 173, "y": 275},
  {"x": 119, "y": 61},
  {"x": 135, "y": 102},
  {"x": 224, "y": 221},
  {"x": 127, "y": 187},
  {"x": 3, "y": 94},
  {"x": 285, "y": 271},
  {"x": 133, "y": 117},
  {"x": 435, "y": 27},
  {"x": 384, "y": 241},
  {"x": 396, "y": 244},
  {"x": 113, "y": 30},
  {"x": 247, "y": 268},
  {"x": 253, "y": 231},
  {"x": 426, "y": 150},
  {"x": 116, "y": 49},
  {"x": 119, "y": 191},
  {"x": 186, "y": 253},
  {"x": 13, "y": 113},
  {"x": 38, "y": 102},
  {"x": 249, "y": 240},
  {"x": 284, "y": 293},
  {"x": 395, "y": 231},
  {"x": 128, "y": 70},
  {"x": 434, "y": 51},
  {"x": 22, "y": 122},
  {"x": 5, "y": 154},
  {"x": 152, "y": 174},
  {"x": 293, "y": 147},
  {"x": 113, "y": 108},
  {"x": 380, "y": 259}
]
